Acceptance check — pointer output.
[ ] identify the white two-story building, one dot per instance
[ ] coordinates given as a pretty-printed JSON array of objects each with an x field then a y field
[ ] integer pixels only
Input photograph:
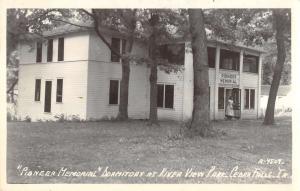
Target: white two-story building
[{"x": 74, "y": 73}]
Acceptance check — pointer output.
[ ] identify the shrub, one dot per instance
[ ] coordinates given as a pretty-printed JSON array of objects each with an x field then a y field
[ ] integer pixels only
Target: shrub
[
  {"x": 75, "y": 118},
  {"x": 61, "y": 118},
  {"x": 27, "y": 119}
]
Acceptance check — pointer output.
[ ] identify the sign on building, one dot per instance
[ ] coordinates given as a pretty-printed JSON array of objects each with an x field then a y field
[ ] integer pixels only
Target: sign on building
[{"x": 228, "y": 78}]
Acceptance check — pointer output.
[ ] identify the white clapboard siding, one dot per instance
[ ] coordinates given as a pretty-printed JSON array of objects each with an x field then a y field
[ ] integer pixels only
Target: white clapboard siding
[
  {"x": 175, "y": 79},
  {"x": 75, "y": 49},
  {"x": 101, "y": 71},
  {"x": 99, "y": 76},
  {"x": 249, "y": 79},
  {"x": 74, "y": 75}
]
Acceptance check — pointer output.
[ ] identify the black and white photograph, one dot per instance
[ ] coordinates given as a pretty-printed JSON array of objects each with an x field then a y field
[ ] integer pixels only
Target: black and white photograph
[{"x": 149, "y": 96}]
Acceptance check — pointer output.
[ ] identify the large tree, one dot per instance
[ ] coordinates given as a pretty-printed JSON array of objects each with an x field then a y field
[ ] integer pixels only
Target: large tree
[
  {"x": 200, "y": 119},
  {"x": 124, "y": 21},
  {"x": 159, "y": 26},
  {"x": 281, "y": 19}
]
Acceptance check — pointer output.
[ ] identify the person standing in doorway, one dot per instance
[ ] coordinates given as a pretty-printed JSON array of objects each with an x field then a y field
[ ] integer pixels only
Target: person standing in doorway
[{"x": 229, "y": 114}]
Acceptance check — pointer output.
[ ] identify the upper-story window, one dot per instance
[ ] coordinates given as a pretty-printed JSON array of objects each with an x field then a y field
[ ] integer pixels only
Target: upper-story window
[
  {"x": 211, "y": 56},
  {"x": 39, "y": 50},
  {"x": 229, "y": 60},
  {"x": 250, "y": 63},
  {"x": 61, "y": 47},
  {"x": 118, "y": 45},
  {"x": 50, "y": 50},
  {"x": 173, "y": 53}
]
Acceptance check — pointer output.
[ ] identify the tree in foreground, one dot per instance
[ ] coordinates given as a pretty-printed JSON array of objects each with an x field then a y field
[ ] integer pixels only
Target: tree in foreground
[
  {"x": 281, "y": 19},
  {"x": 200, "y": 123}
]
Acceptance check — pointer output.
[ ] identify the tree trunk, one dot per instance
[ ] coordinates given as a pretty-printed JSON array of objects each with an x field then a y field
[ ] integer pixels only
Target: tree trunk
[
  {"x": 124, "y": 87},
  {"x": 200, "y": 119},
  {"x": 153, "y": 84},
  {"x": 279, "y": 22},
  {"x": 153, "y": 75}
]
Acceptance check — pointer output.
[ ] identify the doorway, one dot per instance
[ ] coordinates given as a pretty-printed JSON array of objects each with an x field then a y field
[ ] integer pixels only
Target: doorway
[
  {"x": 236, "y": 96},
  {"x": 48, "y": 88}
]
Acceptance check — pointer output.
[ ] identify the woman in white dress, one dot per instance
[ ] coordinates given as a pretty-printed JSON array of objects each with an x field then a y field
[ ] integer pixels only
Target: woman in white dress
[{"x": 229, "y": 109}]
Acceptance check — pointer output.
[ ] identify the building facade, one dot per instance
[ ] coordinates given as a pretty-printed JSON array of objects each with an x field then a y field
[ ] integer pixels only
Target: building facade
[{"x": 73, "y": 73}]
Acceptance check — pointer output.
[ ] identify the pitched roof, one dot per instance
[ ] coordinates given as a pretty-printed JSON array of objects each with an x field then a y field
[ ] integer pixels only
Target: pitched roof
[
  {"x": 88, "y": 26},
  {"x": 65, "y": 29},
  {"x": 282, "y": 90}
]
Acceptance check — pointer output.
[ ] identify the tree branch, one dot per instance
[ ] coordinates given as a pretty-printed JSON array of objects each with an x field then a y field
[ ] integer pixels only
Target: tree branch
[
  {"x": 12, "y": 86},
  {"x": 67, "y": 22},
  {"x": 96, "y": 27}
]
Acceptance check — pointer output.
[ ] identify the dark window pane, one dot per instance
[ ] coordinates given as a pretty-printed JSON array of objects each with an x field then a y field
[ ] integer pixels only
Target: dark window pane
[
  {"x": 37, "y": 94},
  {"x": 39, "y": 48},
  {"x": 169, "y": 96},
  {"x": 211, "y": 53},
  {"x": 50, "y": 50},
  {"x": 252, "y": 99},
  {"x": 229, "y": 60},
  {"x": 115, "y": 44},
  {"x": 59, "y": 90},
  {"x": 61, "y": 49},
  {"x": 160, "y": 95},
  {"x": 221, "y": 98},
  {"x": 246, "y": 99},
  {"x": 172, "y": 53},
  {"x": 48, "y": 89},
  {"x": 113, "y": 92},
  {"x": 250, "y": 64}
]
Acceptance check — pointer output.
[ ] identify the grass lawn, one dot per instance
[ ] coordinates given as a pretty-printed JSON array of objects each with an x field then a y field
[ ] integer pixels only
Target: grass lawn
[{"x": 134, "y": 146}]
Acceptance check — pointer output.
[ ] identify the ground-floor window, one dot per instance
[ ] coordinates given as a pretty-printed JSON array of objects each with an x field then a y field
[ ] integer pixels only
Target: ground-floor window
[
  {"x": 249, "y": 98},
  {"x": 225, "y": 93},
  {"x": 221, "y": 98},
  {"x": 37, "y": 92},
  {"x": 59, "y": 90},
  {"x": 114, "y": 92},
  {"x": 165, "y": 96}
]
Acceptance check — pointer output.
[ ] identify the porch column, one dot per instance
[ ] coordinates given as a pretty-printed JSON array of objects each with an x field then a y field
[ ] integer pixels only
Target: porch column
[
  {"x": 217, "y": 69},
  {"x": 241, "y": 86},
  {"x": 259, "y": 86},
  {"x": 188, "y": 83}
]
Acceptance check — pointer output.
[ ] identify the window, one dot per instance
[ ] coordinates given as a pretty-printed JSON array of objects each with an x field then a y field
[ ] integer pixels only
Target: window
[
  {"x": 37, "y": 92},
  {"x": 160, "y": 95},
  {"x": 115, "y": 44},
  {"x": 221, "y": 98},
  {"x": 211, "y": 55},
  {"x": 39, "y": 48},
  {"x": 173, "y": 53},
  {"x": 229, "y": 60},
  {"x": 61, "y": 49},
  {"x": 50, "y": 50},
  {"x": 250, "y": 63},
  {"x": 165, "y": 96},
  {"x": 249, "y": 98},
  {"x": 114, "y": 92},
  {"x": 59, "y": 90}
]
